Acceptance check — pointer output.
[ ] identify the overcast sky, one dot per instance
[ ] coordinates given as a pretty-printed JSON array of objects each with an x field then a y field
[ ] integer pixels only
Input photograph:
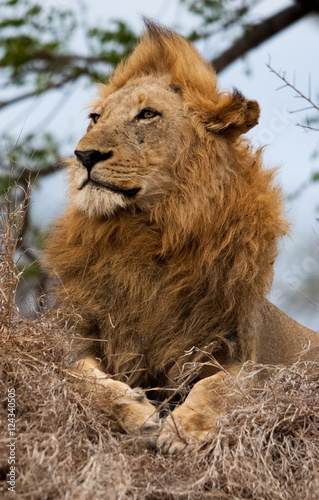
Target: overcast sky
[{"x": 288, "y": 146}]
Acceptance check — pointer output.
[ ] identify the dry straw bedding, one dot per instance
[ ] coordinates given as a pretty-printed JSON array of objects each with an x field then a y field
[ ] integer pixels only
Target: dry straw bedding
[{"x": 266, "y": 447}]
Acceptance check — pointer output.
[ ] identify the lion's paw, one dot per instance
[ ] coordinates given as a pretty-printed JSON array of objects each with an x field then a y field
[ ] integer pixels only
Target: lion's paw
[
  {"x": 137, "y": 414},
  {"x": 184, "y": 429}
]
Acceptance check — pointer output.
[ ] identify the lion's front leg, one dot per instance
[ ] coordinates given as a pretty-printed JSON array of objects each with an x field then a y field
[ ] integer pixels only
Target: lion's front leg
[
  {"x": 129, "y": 407},
  {"x": 194, "y": 421}
]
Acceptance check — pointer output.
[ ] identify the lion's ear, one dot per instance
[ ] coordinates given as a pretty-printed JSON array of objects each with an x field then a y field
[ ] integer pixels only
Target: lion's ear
[{"x": 234, "y": 115}]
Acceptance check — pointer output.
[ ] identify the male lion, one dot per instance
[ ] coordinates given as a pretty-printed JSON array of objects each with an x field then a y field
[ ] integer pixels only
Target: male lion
[{"x": 166, "y": 250}]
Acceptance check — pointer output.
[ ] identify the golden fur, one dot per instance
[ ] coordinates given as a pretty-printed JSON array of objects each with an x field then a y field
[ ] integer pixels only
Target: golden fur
[{"x": 183, "y": 265}]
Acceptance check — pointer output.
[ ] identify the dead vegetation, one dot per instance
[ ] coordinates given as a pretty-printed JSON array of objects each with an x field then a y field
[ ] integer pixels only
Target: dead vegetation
[{"x": 266, "y": 447}]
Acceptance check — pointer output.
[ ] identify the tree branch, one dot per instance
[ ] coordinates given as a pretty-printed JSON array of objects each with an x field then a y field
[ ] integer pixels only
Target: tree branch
[
  {"x": 32, "y": 175},
  {"x": 68, "y": 58},
  {"x": 263, "y": 31},
  {"x": 299, "y": 94},
  {"x": 34, "y": 93}
]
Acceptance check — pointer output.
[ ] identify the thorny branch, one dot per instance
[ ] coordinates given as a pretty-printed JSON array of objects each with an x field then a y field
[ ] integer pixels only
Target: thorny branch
[{"x": 299, "y": 94}]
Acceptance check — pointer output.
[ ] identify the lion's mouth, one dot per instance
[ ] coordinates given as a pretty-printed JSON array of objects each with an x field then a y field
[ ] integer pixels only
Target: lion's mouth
[{"x": 129, "y": 193}]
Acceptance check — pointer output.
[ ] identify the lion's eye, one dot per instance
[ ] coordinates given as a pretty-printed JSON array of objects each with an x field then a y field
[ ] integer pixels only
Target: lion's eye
[
  {"x": 94, "y": 117},
  {"x": 147, "y": 114}
]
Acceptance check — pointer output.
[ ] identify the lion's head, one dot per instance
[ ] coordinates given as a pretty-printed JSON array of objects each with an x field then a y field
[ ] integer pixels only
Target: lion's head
[
  {"x": 156, "y": 114},
  {"x": 128, "y": 154}
]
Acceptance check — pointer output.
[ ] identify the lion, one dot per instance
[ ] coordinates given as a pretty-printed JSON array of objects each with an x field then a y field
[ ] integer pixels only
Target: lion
[{"x": 164, "y": 256}]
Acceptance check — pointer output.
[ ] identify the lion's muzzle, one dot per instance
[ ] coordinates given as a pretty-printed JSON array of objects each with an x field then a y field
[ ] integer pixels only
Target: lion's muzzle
[
  {"x": 129, "y": 193},
  {"x": 90, "y": 157}
]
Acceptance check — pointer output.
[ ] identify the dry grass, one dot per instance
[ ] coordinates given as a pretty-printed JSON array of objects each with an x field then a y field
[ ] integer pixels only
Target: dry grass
[{"x": 266, "y": 448}]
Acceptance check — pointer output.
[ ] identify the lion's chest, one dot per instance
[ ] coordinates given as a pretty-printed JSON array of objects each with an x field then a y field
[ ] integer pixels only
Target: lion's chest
[{"x": 144, "y": 312}]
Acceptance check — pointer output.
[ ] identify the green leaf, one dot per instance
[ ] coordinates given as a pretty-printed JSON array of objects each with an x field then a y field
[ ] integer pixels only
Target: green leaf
[{"x": 315, "y": 177}]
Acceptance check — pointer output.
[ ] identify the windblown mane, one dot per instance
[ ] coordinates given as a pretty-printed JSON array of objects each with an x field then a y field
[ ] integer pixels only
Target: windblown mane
[
  {"x": 163, "y": 52},
  {"x": 196, "y": 264}
]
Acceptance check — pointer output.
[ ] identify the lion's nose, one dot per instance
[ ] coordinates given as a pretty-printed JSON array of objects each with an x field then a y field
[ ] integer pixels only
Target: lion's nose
[{"x": 90, "y": 157}]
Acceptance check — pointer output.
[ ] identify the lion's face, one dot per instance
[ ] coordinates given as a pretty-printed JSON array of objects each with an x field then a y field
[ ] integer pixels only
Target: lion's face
[{"x": 128, "y": 154}]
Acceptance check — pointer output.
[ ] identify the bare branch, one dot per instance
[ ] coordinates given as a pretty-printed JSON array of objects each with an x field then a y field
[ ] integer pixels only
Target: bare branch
[
  {"x": 34, "y": 175},
  {"x": 300, "y": 94},
  {"x": 261, "y": 32},
  {"x": 34, "y": 93},
  {"x": 24, "y": 173},
  {"x": 301, "y": 109},
  {"x": 307, "y": 127}
]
